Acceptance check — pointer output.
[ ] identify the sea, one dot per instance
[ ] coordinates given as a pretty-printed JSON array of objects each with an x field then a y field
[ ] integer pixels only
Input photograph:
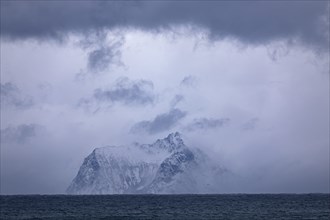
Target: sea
[{"x": 223, "y": 206}]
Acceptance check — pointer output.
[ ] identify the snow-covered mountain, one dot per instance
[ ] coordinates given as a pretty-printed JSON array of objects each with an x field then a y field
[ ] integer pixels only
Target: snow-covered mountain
[{"x": 166, "y": 166}]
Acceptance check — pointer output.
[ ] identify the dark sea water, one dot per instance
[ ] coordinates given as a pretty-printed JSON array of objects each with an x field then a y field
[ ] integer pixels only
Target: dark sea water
[{"x": 239, "y": 206}]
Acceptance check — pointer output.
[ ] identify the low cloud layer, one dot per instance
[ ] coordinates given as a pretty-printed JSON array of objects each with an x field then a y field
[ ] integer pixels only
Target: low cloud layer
[
  {"x": 162, "y": 122},
  {"x": 255, "y": 22}
]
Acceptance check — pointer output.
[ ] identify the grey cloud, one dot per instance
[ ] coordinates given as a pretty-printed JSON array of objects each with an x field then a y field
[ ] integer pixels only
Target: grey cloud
[
  {"x": 188, "y": 81},
  {"x": 100, "y": 59},
  {"x": 92, "y": 38},
  {"x": 250, "y": 124},
  {"x": 20, "y": 134},
  {"x": 13, "y": 96},
  {"x": 127, "y": 92},
  {"x": 88, "y": 105},
  {"x": 106, "y": 54},
  {"x": 207, "y": 123},
  {"x": 103, "y": 52},
  {"x": 124, "y": 91},
  {"x": 176, "y": 100},
  {"x": 254, "y": 22},
  {"x": 161, "y": 122},
  {"x": 45, "y": 86},
  {"x": 275, "y": 52}
]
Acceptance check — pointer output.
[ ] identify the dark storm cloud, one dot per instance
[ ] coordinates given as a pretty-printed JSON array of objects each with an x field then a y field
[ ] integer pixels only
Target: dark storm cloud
[
  {"x": 161, "y": 122},
  {"x": 19, "y": 134},
  {"x": 13, "y": 96},
  {"x": 255, "y": 22},
  {"x": 207, "y": 123}
]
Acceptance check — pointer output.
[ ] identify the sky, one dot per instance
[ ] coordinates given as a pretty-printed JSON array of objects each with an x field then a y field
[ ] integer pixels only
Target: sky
[{"x": 245, "y": 81}]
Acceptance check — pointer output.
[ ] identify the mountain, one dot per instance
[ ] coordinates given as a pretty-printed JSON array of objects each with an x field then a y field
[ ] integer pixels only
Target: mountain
[{"x": 166, "y": 166}]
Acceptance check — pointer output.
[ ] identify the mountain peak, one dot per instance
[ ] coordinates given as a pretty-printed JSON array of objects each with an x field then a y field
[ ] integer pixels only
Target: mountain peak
[
  {"x": 175, "y": 134},
  {"x": 171, "y": 143},
  {"x": 175, "y": 138}
]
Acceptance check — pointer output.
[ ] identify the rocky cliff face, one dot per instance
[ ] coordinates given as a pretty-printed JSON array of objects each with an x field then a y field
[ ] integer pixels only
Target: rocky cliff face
[{"x": 166, "y": 166}]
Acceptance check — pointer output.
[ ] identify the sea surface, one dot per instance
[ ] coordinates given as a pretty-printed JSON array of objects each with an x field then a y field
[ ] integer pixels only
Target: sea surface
[{"x": 225, "y": 206}]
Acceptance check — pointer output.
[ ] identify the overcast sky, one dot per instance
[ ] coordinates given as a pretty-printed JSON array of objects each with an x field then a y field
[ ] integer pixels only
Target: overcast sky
[{"x": 245, "y": 81}]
